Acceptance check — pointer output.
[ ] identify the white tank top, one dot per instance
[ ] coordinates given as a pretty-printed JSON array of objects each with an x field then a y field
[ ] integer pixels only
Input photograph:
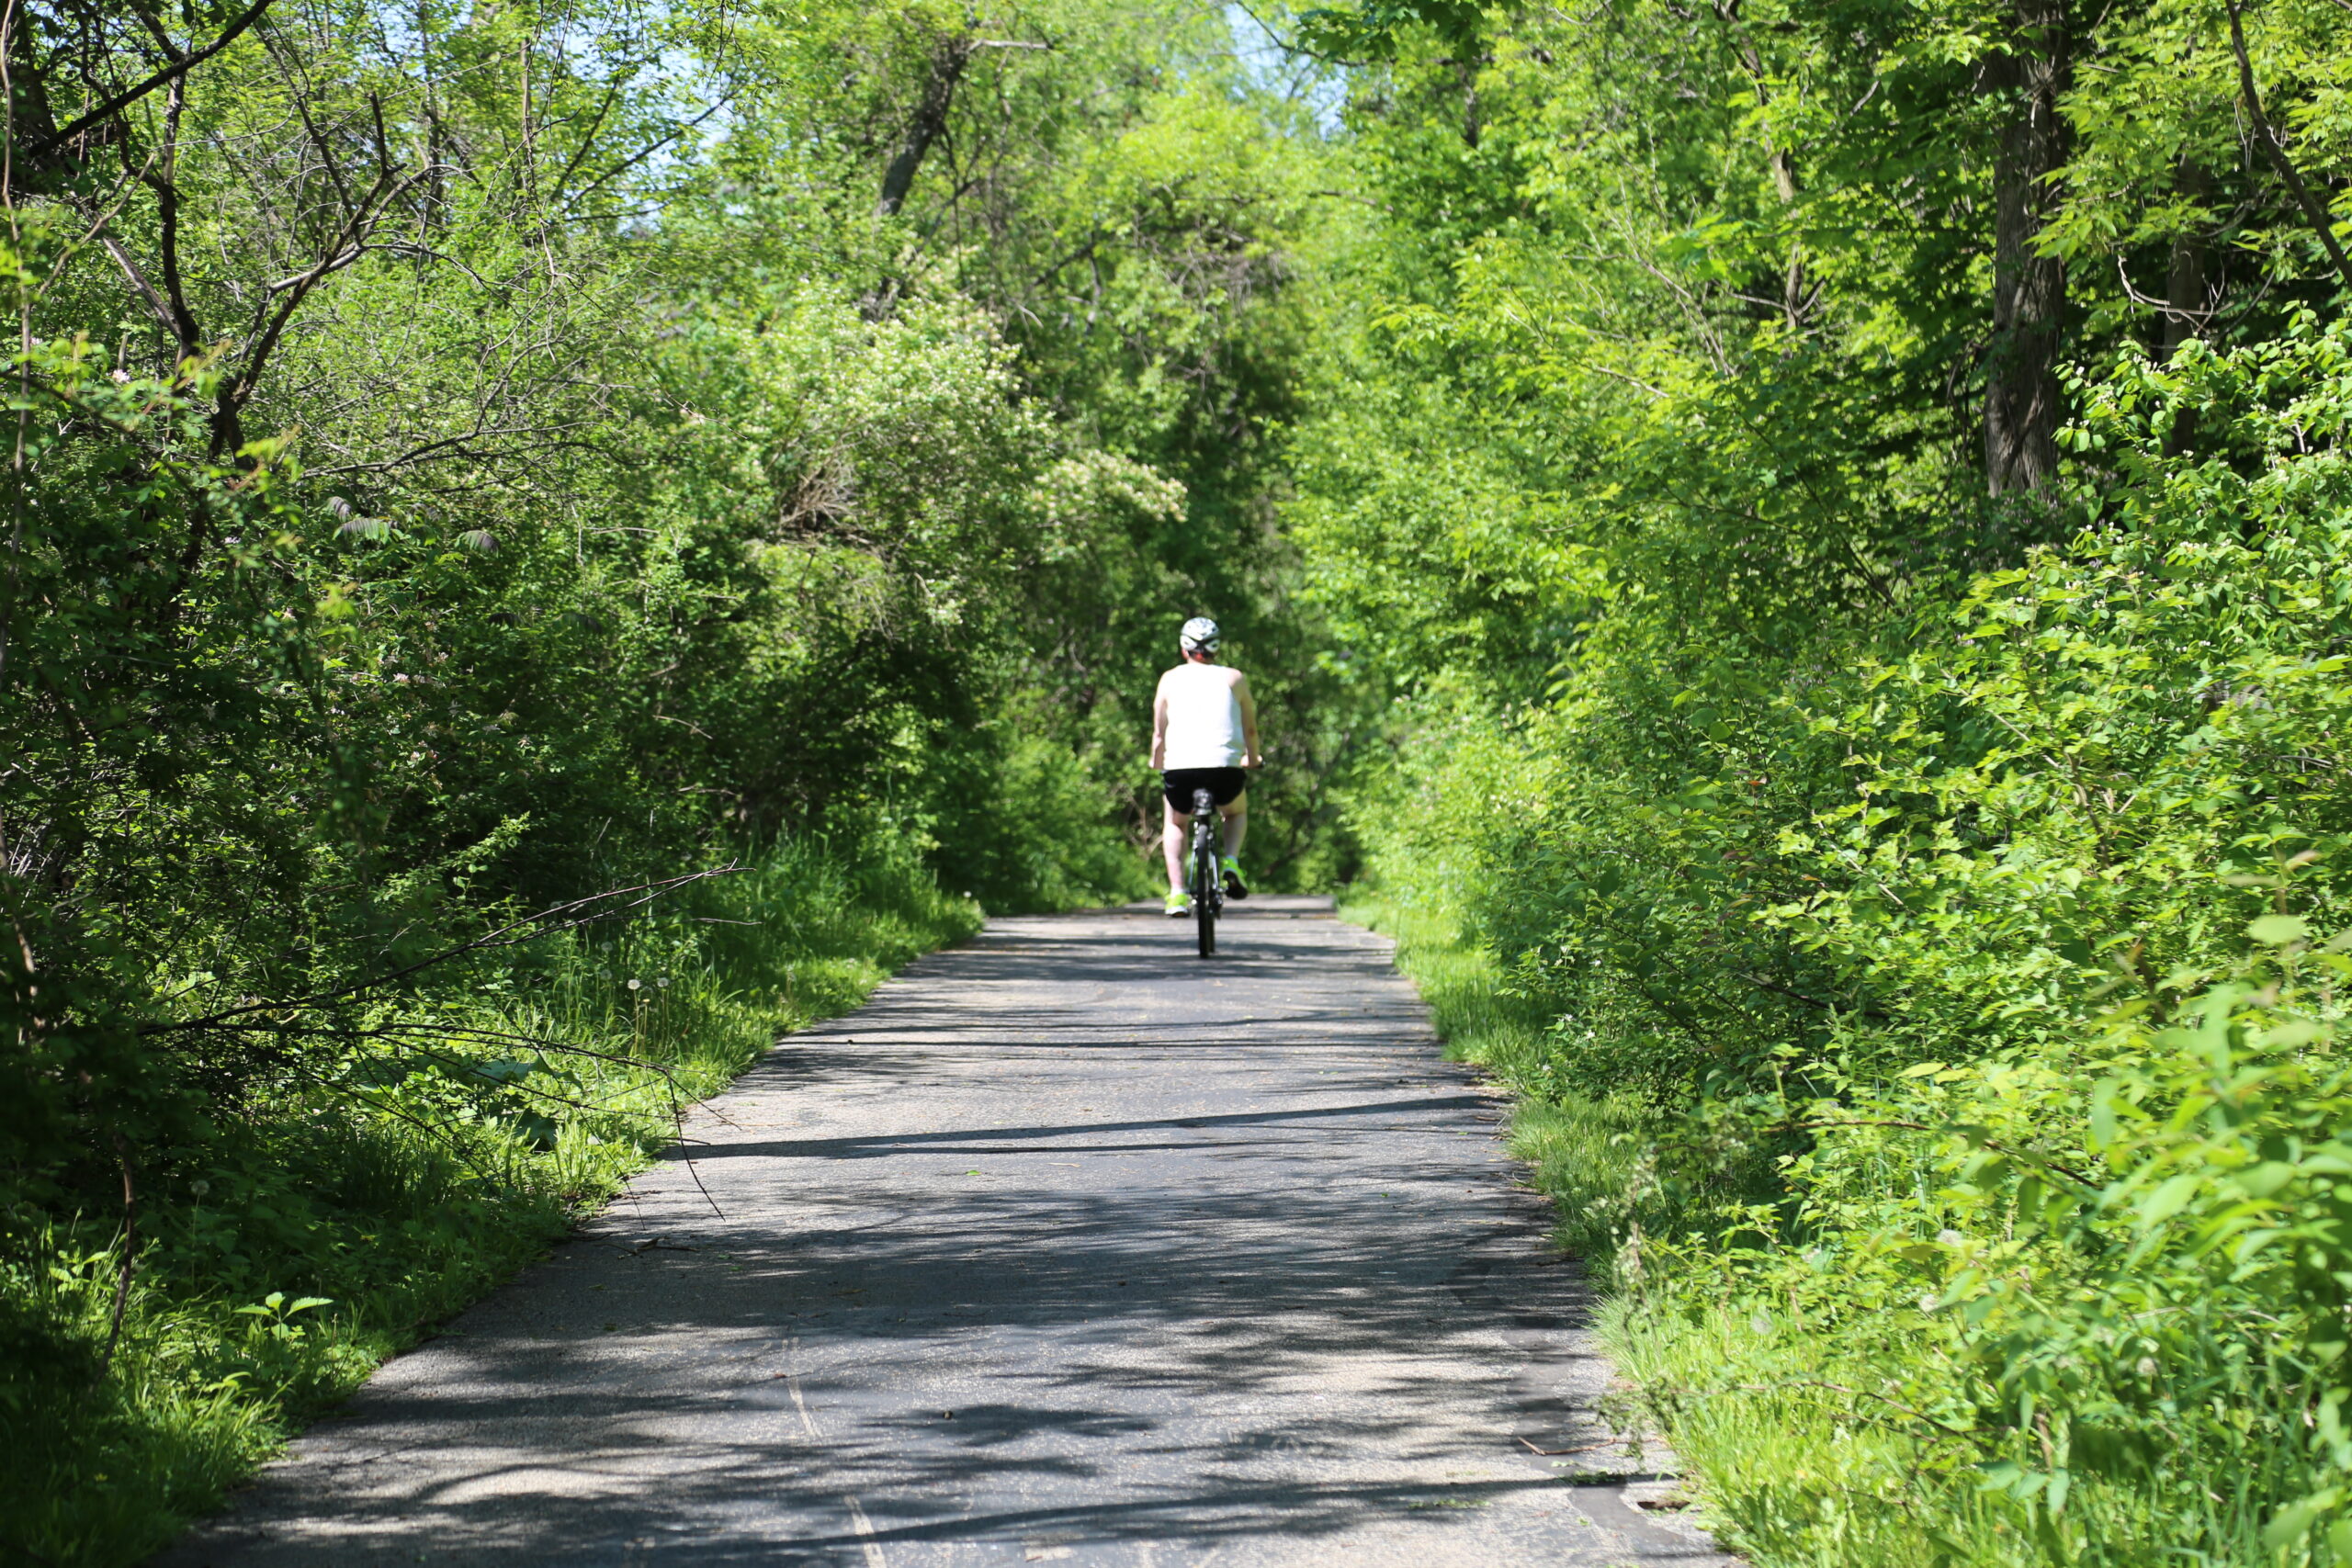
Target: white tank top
[{"x": 1204, "y": 717}]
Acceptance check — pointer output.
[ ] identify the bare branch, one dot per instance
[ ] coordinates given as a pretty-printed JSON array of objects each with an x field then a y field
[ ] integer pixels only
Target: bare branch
[
  {"x": 588, "y": 137},
  {"x": 567, "y": 916},
  {"x": 2322, "y": 221},
  {"x": 630, "y": 163},
  {"x": 442, "y": 448},
  {"x": 140, "y": 285},
  {"x": 123, "y": 100},
  {"x": 348, "y": 247}
]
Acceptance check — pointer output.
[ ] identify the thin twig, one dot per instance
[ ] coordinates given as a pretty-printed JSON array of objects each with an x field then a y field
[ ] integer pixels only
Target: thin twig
[
  {"x": 631, "y": 161},
  {"x": 498, "y": 938},
  {"x": 2322, "y": 221},
  {"x": 123, "y": 100}
]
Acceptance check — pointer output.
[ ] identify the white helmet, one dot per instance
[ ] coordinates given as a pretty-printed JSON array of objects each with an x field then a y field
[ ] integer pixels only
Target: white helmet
[{"x": 1199, "y": 635}]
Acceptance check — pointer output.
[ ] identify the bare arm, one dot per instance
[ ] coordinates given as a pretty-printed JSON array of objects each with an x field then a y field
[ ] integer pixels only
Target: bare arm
[
  {"x": 1251, "y": 756},
  {"x": 1159, "y": 729}
]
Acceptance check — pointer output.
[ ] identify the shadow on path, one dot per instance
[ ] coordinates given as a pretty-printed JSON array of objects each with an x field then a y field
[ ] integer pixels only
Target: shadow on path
[{"x": 1068, "y": 1246}]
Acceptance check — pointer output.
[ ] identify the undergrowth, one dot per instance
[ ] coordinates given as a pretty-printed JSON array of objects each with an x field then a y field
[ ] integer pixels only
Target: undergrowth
[
  {"x": 1932, "y": 1026},
  {"x": 2006, "y": 1315},
  {"x": 344, "y": 1215},
  {"x": 1783, "y": 1478}
]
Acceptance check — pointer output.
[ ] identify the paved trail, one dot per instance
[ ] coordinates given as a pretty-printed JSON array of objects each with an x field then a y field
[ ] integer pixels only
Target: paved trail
[{"x": 1066, "y": 1247}]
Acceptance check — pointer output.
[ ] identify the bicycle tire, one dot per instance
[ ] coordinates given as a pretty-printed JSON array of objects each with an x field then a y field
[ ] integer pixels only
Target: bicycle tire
[{"x": 1207, "y": 888}]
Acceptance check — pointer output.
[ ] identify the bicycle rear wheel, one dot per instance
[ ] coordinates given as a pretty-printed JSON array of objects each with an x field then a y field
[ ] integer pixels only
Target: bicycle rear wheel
[{"x": 1208, "y": 890}]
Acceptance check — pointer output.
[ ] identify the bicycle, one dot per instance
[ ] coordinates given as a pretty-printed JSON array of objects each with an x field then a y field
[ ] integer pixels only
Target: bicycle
[{"x": 1206, "y": 880}]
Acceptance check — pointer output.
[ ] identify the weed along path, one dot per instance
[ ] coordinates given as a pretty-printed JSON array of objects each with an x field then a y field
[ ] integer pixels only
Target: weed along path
[{"x": 1068, "y": 1246}]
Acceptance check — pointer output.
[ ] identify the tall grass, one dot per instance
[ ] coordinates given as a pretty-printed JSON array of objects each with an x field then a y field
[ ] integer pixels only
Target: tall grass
[
  {"x": 290, "y": 1256},
  {"x": 1760, "y": 1405},
  {"x": 1581, "y": 1152},
  {"x": 1832, "y": 1416},
  {"x": 1767, "y": 1473}
]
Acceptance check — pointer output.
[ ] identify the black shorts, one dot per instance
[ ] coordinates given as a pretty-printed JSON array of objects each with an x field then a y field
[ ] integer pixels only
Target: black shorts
[{"x": 1223, "y": 785}]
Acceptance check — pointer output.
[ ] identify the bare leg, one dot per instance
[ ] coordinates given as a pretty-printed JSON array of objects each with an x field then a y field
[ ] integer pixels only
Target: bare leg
[
  {"x": 1171, "y": 838},
  {"x": 1178, "y": 828}
]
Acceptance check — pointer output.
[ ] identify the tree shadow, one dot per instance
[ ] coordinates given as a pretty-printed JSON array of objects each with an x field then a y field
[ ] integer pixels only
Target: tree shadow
[{"x": 1312, "y": 1307}]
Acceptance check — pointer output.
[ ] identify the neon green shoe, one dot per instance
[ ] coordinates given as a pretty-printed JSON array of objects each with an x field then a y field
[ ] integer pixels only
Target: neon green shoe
[
  {"x": 1234, "y": 887},
  {"x": 1180, "y": 903}
]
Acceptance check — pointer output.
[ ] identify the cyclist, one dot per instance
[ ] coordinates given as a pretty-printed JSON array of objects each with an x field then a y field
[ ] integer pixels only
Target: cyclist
[{"x": 1203, "y": 734}]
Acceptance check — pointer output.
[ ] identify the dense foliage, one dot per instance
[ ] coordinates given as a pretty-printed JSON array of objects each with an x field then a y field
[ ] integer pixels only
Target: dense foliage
[
  {"x": 549, "y": 542},
  {"x": 1849, "y": 502},
  {"x": 544, "y": 545}
]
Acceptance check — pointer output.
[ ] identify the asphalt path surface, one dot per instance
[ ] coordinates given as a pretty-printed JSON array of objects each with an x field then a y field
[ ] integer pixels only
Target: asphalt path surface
[{"x": 1068, "y": 1247}]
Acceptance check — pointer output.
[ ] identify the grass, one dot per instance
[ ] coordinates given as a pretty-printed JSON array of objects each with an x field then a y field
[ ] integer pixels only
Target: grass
[
  {"x": 1795, "y": 1472},
  {"x": 1581, "y": 1153},
  {"x": 1777, "y": 1483},
  {"x": 1792, "y": 1463},
  {"x": 343, "y": 1214},
  {"x": 1786, "y": 1476}
]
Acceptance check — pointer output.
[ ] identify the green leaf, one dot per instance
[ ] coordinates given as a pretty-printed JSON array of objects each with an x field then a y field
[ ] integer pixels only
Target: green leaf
[
  {"x": 2277, "y": 930},
  {"x": 2169, "y": 1200},
  {"x": 2000, "y": 1475},
  {"x": 2293, "y": 1523}
]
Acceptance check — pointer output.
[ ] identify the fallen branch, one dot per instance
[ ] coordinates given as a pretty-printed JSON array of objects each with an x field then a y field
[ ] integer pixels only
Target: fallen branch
[
  {"x": 1919, "y": 1416},
  {"x": 1961, "y": 1130}
]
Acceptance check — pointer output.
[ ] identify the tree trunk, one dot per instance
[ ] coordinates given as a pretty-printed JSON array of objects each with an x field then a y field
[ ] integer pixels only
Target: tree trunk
[
  {"x": 1795, "y": 285},
  {"x": 947, "y": 64},
  {"x": 2188, "y": 293},
  {"x": 2021, "y": 401}
]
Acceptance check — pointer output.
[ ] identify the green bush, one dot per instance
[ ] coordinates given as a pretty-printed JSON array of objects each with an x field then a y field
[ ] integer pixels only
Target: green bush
[
  {"x": 2084, "y": 1308},
  {"x": 1980, "y": 1198},
  {"x": 381, "y": 1187}
]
